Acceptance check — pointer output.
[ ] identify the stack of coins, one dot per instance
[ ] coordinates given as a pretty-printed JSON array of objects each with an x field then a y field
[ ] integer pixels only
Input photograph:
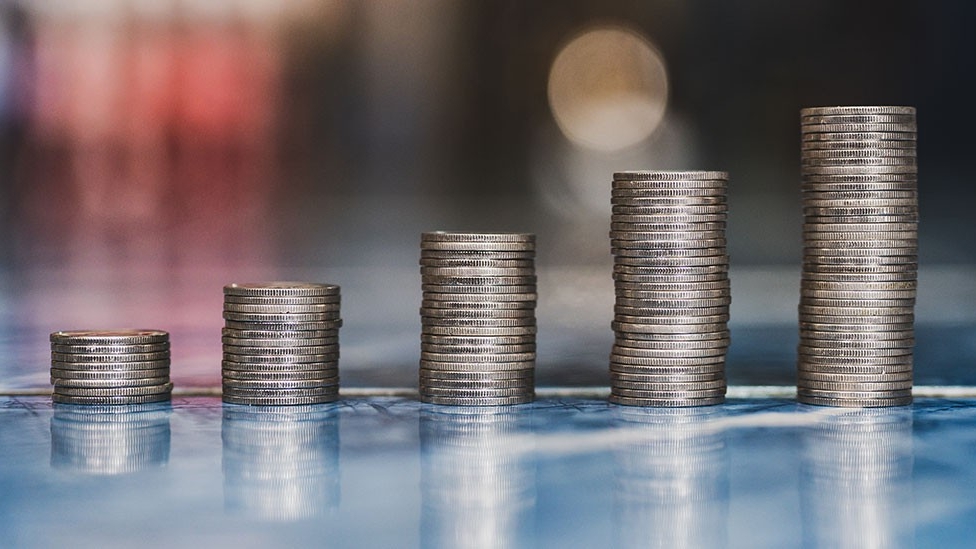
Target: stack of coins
[
  {"x": 281, "y": 343},
  {"x": 671, "y": 283},
  {"x": 478, "y": 317},
  {"x": 110, "y": 367},
  {"x": 860, "y": 236}
]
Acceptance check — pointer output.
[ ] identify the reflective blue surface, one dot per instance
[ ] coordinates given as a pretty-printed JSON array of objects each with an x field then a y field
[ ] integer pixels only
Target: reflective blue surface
[{"x": 390, "y": 472}]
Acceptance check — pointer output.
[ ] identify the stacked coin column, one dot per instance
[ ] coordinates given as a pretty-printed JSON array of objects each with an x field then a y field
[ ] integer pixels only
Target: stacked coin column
[
  {"x": 281, "y": 343},
  {"x": 672, "y": 289},
  {"x": 860, "y": 234},
  {"x": 110, "y": 367},
  {"x": 478, "y": 318}
]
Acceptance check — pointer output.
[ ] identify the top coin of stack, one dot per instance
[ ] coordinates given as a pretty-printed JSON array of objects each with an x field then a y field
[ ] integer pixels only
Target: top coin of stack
[
  {"x": 860, "y": 236},
  {"x": 671, "y": 282},
  {"x": 110, "y": 366},
  {"x": 478, "y": 318},
  {"x": 281, "y": 343}
]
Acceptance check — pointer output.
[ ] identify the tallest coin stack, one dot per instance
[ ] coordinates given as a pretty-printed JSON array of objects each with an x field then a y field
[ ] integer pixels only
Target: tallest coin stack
[{"x": 860, "y": 236}]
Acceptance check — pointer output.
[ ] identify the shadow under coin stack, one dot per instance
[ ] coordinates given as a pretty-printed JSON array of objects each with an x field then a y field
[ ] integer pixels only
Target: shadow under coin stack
[
  {"x": 860, "y": 260},
  {"x": 478, "y": 318},
  {"x": 671, "y": 283},
  {"x": 110, "y": 367},
  {"x": 281, "y": 343}
]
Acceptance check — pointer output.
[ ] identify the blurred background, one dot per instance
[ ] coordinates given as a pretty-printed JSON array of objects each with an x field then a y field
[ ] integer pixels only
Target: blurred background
[{"x": 152, "y": 151}]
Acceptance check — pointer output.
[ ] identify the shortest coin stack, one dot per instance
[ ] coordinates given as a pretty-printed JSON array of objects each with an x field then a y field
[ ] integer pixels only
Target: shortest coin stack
[
  {"x": 281, "y": 343},
  {"x": 110, "y": 367},
  {"x": 478, "y": 318}
]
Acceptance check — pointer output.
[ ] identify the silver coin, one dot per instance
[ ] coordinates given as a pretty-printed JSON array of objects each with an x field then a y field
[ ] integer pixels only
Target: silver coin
[
  {"x": 619, "y": 351},
  {"x": 110, "y": 349},
  {"x": 824, "y": 393},
  {"x": 477, "y": 289},
  {"x": 676, "y": 393},
  {"x": 883, "y": 340},
  {"x": 666, "y": 402},
  {"x": 812, "y": 165},
  {"x": 447, "y": 236},
  {"x": 109, "y": 375},
  {"x": 113, "y": 391},
  {"x": 330, "y": 310},
  {"x": 862, "y": 324},
  {"x": 477, "y": 349},
  {"x": 681, "y": 320},
  {"x": 649, "y": 266},
  {"x": 457, "y": 392},
  {"x": 663, "y": 175},
  {"x": 96, "y": 358},
  {"x": 478, "y": 271},
  {"x": 705, "y": 290},
  {"x": 630, "y": 327},
  {"x": 279, "y": 359},
  {"x": 281, "y": 289},
  {"x": 511, "y": 387},
  {"x": 252, "y": 333},
  {"x": 487, "y": 314},
  {"x": 856, "y": 109},
  {"x": 269, "y": 327},
  {"x": 655, "y": 280},
  {"x": 279, "y": 384},
  {"x": 524, "y": 305},
  {"x": 838, "y": 153},
  {"x": 107, "y": 383},
  {"x": 293, "y": 318},
  {"x": 671, "y": 228},
  {"x": 847, "y": 118},
  {"x": 652, "y": 232},
  {"x": 618, "y": 360},
  {"x": 896, "y": 128},
  {"x": 478, "y": 254},
  {"x": 278, "y": 393},
  {"x": 827, "y": 249},
  {"x": 663, "y": 302},
  {"x": 476, "y": 358},
  {"x": 857, "y": 368},
  {"x": 858, "y": 386},
  {"x": 880, "y": 336},
  {"x": 480, "y": 377},
  {"x": 622, "y": 313},
  {"x": 855, "y": 378},
  {"x": 906, "y": 262},
  {"x": 668, "y": 378},
  {"x": 478, "y": 322},
  {"x": 248, "y": 350},
  {"x": 858, "y": 303},
  {"x": 858, "y": 170},
  {"x": 618, "y": 386},
  {"x": 466, "y": 366},
  {"x": 477, "y": 263},
  {"x": 675, "y": 345},
  {"x": 110, "y": 366},
  {"x": 658, "y": 207},
  {"x": 645, "y": 215},
  {"x": 109, "y": 337},
  {"x": 700, "y": 369},
  {"x": 813, "y": 193},
  {"x": 667, "y": 192},
  {"x": 473, "y": 401},
  {"x": 655, "y": 260},
  {"x": 861, "y": 144},
  {"x": 281, "y": 401},
  {"x": 814, "y": 360},
  {"x": 436, "y": 299},
  {"x": 479, "y": 280},
  {"x": 231, "y": 366},
  {"x": 860, "y": 210},
  {"x": 668, "y": 202},
  {"x": 110, "y": 401},
  {"x": 678, "y": 337},
  {"x": 278, "y": 301},
  {"x": 279, "y": 342},
  {"x": 262, "y": 376},
  {"x": 426, "y": 339},
  {"x": 898, "y": 314},
  {"x": 865, "y": 270},
  {"x": 475, "y": 331},
  {"x": 861, "y": 239},
  {"x": 849, "y": 352},
  {"x": 855, "y": 403},
  {"x": 479, "y": 246}
]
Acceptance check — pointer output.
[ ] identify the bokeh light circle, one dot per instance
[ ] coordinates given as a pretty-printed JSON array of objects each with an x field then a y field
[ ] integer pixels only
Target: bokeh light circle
[{"x": 608, "y": 88}]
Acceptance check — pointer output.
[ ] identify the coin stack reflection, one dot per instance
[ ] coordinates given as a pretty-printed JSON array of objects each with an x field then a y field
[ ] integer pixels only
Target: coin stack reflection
[
  {"x": 672, "y": 288},
  {"x": 860, "y": 262},
  {"x": 281, "y": 464},
  {"x": 478, "y": 488},
  {"x": 110, "y": 440},
  {"x": 281, "y": 343},
  {"x": 856, "y": 480},
  {"x": 110, "y": 367},
  {"x": 478, "y": 318},
  {"x": 671, "y": 479}
]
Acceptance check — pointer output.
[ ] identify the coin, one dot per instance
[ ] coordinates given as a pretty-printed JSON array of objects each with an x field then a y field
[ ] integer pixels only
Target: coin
[
  {"x": 281, "y": 401},
  {"x": 109, "y": 375},
  {"x": 110, "y": 400},
  {"x": 322, "y": 308},
  {"x": 109, "y": 337},
  {"x": 479, "y": 376},
  {"x": 281, "y": 289},
  {"x": 477, "y": 401},
  {"x": 465, "y": 366},
  {"x": 854, "y": 403},
  {"x": 666, "y": 402},
  {"x": 128, "y": 391},
  {"x": 281, "y": 351},
  {"x": 279, "y": 384},
  {"x": 108, "y": 383},
  {"x": 109, "y": 349}
]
